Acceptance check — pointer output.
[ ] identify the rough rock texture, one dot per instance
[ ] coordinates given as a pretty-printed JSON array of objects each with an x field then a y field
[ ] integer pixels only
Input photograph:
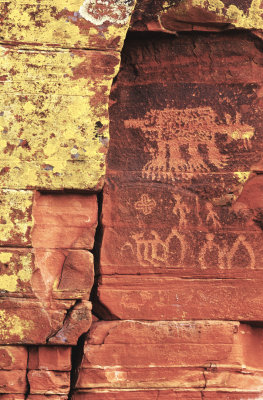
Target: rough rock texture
[
  {"x": 173, "y": 16},
  {"x": 176, "y": 202},
  {"x": 182, "y": 211},
  {"x": 178, "y": 248},
  {"x": 57, "y": 63}
]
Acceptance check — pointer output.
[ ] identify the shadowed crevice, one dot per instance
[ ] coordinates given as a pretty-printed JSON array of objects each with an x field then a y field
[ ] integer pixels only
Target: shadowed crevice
[{"x": 76, "y": 359}]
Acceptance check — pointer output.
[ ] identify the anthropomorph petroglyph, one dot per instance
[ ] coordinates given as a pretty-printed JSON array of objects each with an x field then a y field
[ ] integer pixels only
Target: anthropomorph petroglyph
[
  {"x": 185, "y": 140},
  {"x": 150, "y": 249},
  {"x": 181, "y": 210}
]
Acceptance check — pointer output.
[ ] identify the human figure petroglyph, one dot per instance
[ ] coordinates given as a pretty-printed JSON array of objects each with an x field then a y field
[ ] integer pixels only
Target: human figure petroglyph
[
  {"x": 153, "y": 250},
  {"x": 181, "y": 210},
  {"x": 186, "y": 140},
  {"x": 212, "y": 217}
]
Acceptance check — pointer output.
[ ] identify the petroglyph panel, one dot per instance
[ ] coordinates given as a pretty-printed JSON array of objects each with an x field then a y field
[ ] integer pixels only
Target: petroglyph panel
[
  {"x": 54, "y": 120},
  {"x": 185, "y": 206},
  {"x": 186, "y": 221},
  {"x": 167, "y": 250},
  {"x": 191, "y": 139},
  {"x": 93, "y": 24},
  {"x": 155, "y": 297}
]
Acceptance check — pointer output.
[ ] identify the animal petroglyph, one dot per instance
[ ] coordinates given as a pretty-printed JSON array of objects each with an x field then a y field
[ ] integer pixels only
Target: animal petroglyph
[{"x": 185, "y": 140}]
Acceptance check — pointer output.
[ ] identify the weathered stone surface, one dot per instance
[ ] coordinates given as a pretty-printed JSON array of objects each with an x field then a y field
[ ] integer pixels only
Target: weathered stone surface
[
  {"x": 62, "y": 274},
  {"x": 49, "y": 382},
  {"x": 77, "y": 322},
  {"x": 13, "y": 357},
  {"x": 17, "y": 267},
  {"x": 238, "y": 380},
  {"x": 163, "y": 395},
  {"x": 79, "y": 23},
  {"x": 192, "y": 354},
  {"x": 54, "y": 119},
  {"x": 137, "y": 394},
  {"x": 29, "y": 321},
  {"x": 13, "y": 381},
  {"x": 141, "y": 377},
  {"x": 50, "y": 358},
  {"x": 178, "y": 167},
  {"x": 12, "y": 396},
  {"x": 197, "y": 15},
  {"x": 172, "y": 298},
  {"x": 64, "y": 221},
  {"x": 15, "y": 217},
  {"x": 231, "y": 396},
  {"x": 46, "y": 397}
]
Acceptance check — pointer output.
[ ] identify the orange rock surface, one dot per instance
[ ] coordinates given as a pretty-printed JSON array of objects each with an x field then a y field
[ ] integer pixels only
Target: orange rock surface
[{"x": 131, "y": 269}]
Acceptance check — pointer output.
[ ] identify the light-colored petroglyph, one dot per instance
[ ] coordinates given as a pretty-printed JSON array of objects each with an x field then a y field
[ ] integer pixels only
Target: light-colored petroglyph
[
  {"x": 154, "y": 251},
  {"x": 212, "y": 217},
  {"x": 146, "y": 204},
  {"x": 185, "y": 140},
  {"x": 210, "y": 246},
  {"x": 225, "y": 254},
  {"x": 181, "y": 210},
  {"x": 237, "y": 246}
]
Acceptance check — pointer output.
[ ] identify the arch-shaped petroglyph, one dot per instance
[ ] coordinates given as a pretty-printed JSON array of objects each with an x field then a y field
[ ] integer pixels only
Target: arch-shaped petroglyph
[
  {"x": 239, "y": 243},
  {"x": 209, "y": 246},
  {"x": 150, "y": 249}
]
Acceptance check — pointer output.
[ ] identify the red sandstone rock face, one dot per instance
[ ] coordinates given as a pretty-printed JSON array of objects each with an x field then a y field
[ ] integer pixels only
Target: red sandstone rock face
[
  {"x": 64, "y": 221},
  {"x": 192, "y": 354},
  {"x": 182, "y": 220},
  {"x": 43, "y": 283},
  {"x": 50, "y": 358},
  {"x": 179, "y": 159},
  {"x": 182, "y": 210},
  {"x": 164, "y": 395}
]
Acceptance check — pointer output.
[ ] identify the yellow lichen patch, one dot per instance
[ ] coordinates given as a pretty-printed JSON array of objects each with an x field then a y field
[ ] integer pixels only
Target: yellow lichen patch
[
  {"x": 242, "y": 177},
  {"x": 216, "y": 6},
  {"x": 12, "y": 325},
  {"x": 5, "y": 257},
  {"x": 15, "y": 217},
  {"x": 65, "y": 23},
  {"x": 216, "y": 11},
  {"x": 55, "y": 118},
  {"x": 15, "y": 271}
]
